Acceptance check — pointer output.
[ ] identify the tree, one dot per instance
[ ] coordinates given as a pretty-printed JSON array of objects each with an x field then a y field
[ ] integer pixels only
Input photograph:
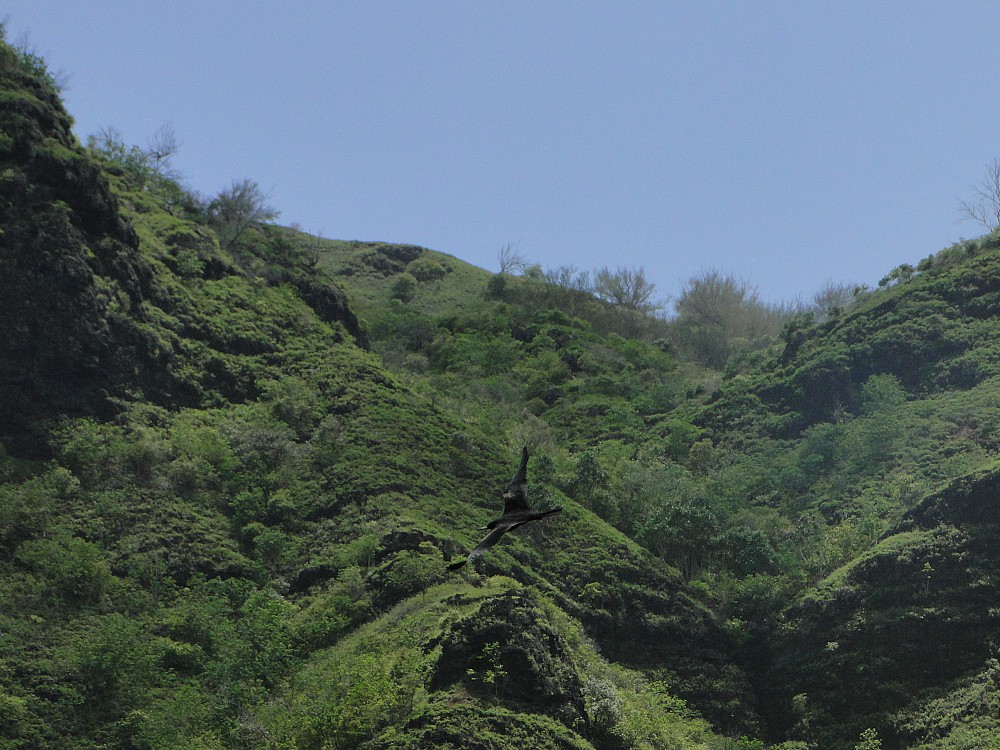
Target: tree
[
  {"x": 151, "y": 168},
  {"x": 626, "y": 287},
  {"x": 510, "y": 260},
  {"x": 713, "y": 298},
  {"x": 836, "y": 299},
  {"x": 161, "y": 148},
  {"x": 682, "y": 532},
  {"x": 234, "y": 210},
  {"x": 898, "y": 275},
  {"x": 145, "y": 167},
  {"x": 869, "y": 740},
  {"x": 489, "y": 668},
  {"x": 719, "y": 315},
  {"x": 569, "y": 278},
  {"x": 984, "y": 208}
]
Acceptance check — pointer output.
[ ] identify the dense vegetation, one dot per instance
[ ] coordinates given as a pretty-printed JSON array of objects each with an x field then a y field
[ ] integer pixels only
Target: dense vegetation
[{"x": 236, "y": 459}]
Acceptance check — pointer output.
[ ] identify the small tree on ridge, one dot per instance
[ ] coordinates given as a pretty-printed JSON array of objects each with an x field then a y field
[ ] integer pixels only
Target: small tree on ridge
[{"x": 237, "y": 208}]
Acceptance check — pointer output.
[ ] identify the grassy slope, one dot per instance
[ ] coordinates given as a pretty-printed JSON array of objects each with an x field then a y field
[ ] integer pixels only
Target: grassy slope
[
  {"x": 367, "y": 269},
  {"x": 253, "y": 528},
  {"x": 236, "y": 536},
  {"x": 888, "y": 418},
  {"x": 823, "y": 450}
]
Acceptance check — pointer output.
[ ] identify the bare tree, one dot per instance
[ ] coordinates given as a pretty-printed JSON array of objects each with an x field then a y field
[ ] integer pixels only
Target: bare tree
[
  {"x": 149, "y": 168},
  {"x": 161, "y": 148},
  {"x": 569, "y": 278},
  {"x": 510, "y": 260},
  {"x": 984, "y": 208}
]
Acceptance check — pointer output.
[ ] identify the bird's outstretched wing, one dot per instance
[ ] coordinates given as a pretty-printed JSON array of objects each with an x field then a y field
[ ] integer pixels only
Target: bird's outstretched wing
[
  {"x": 515, "y": 497},
  {"x": 488, "y": 541}
]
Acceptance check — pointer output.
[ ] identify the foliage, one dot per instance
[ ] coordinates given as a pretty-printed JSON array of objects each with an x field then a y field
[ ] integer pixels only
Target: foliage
[
  {"x": 404, "y": 287},
  {"x": 147, "y": 169},
  {"x": 720, "y": 317},
  {"x": 627, "y": 287},
  {"x": 237, "y": 209},
  {"x": 229, "y": 489},
  {"x": 834, "y": 300}
]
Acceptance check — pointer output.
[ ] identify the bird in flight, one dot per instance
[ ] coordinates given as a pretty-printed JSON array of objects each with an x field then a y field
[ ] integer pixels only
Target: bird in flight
[{"x": 516, "y": 512}]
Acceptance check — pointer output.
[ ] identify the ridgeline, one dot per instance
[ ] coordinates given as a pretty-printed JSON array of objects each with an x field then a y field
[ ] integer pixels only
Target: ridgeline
[{"x": 237, "y": 460}]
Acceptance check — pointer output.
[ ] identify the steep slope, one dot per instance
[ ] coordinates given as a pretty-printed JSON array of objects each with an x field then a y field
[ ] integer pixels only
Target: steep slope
[
  {"x": 757, "y": 490},
  {"x": 881, "y": 427},
  {"x": 238, "y": 534},
  {"x": 910, "y": 619},
  {"x": 791, "y": 495},
  {"x": 92, "y": 317},
  {"x": 935, "y": 331},
  {"x": 71, "y": 271}
]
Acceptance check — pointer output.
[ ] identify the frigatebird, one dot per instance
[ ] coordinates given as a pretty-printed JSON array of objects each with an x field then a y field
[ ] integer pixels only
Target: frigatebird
[{"x": 516, "y": 512}]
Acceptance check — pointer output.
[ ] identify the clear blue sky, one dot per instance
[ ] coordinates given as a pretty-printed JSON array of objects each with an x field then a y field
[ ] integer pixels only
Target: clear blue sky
[{"x": 790, "y": 143}]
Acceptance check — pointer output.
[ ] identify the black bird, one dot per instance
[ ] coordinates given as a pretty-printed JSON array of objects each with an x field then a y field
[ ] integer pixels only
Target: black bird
[{"x": 516, "y": 512}]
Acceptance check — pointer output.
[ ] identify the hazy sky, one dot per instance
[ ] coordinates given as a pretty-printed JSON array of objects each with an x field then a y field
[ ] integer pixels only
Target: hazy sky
[{"x": 790, "y": 143}]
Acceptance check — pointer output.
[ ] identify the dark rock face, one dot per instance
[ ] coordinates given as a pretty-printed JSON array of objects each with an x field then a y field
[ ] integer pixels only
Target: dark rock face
[
  {"x": 329, "y": 303},
  {"x": 70, "y": 271},
  {"x": 509, "y": 650},
  {"x": 88, "y": 318}
]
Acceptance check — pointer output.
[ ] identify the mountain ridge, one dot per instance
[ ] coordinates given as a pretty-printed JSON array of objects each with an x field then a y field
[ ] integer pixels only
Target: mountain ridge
[
  {"x": 233, "y": 472},
  {"x": 196, "y": 538}
]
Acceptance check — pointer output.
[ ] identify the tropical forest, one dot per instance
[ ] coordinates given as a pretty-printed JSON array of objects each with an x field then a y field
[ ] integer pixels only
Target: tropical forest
[{"x": 237, "y": 460}]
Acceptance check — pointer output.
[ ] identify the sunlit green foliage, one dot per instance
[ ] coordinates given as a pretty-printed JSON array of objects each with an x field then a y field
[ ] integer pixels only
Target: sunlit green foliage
[
  {"x": 783, "y": 473},
  {"x": 227, "y": 503}
]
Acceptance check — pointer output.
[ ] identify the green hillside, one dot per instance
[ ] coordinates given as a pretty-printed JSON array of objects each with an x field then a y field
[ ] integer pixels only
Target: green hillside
[
  {"x": 225, "y": 524},
  {"x": 236, "y": 460},
  {"x": 788, "y": 494}
]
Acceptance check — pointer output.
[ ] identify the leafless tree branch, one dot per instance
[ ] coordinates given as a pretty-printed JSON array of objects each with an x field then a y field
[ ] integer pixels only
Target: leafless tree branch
[
  {"x": 984, "y": 208},
  {"x": 510, "y": 260}
]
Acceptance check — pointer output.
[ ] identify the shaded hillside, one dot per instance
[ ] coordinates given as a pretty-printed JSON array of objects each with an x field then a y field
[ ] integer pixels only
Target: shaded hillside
[
  {"x": 882, "y": 640},
  {"x": 788, "y": 495},
  {"x": 238, "y": 535},
  {"x": 72, "y": 274},
  {"x": 233, "y": 474},
  {"x": 879, "y": 429}
]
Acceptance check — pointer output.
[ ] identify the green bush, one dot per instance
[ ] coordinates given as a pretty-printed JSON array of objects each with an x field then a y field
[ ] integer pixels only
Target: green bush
[{"x": 404, "y": 287}]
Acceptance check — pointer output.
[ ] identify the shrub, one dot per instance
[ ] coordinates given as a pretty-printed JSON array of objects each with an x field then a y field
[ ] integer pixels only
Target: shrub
[
  {"x": 425, "y": 269},
  {"x": 404, "y": 287}
]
